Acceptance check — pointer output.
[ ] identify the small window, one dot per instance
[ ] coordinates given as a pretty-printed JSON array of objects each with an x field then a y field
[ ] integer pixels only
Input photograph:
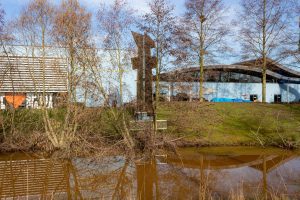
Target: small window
[
  {"x": 253, "y": 97},
  {"x": 277, "y": 98}
]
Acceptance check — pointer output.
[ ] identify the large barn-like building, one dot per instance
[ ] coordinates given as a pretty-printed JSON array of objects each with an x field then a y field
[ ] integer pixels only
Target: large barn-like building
[
  {"x": 241, "y": 80},
  {"x": 25, "y": 81}
]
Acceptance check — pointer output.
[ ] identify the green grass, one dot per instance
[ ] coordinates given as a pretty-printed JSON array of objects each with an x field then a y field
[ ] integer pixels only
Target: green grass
[
  {"x": 233, "y": 123},
  {"x": 93, "y": 121},
  {"x": 220, "y": 124}
]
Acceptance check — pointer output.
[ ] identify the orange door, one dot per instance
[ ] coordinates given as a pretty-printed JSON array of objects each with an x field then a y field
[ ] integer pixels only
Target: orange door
[{"x": 15, "y": 99}]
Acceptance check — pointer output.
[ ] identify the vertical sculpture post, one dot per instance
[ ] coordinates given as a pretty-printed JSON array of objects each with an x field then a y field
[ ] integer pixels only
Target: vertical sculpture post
[{"x": 144, "y": 63}]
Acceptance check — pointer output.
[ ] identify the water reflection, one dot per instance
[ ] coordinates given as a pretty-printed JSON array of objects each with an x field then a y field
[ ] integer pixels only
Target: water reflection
[{"x": 192, "y": 175}]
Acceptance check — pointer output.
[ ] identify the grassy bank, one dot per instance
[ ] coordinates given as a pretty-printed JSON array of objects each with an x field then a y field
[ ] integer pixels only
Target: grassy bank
[
  {"x": 24, "y": 130},
  {"x": 206, "y": 124},
  {"x": 233, "y": 123}
]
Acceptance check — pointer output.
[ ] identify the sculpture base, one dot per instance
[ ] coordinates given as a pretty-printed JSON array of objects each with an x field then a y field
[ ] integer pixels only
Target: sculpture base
[
  {"x": 144, "y": 121},
  {"x": 143, "y": 125}
]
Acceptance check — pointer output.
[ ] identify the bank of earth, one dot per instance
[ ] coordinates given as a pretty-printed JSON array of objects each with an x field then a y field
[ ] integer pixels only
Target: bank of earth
[{"x": 232, "y": 124}]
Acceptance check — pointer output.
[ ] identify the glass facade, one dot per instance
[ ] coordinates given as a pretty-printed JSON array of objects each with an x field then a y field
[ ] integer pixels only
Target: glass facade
[{"x": 229, "y": 77}]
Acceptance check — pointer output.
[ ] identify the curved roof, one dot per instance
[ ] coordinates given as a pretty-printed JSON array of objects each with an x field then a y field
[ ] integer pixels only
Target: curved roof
[
  {"x": 274, "y": 71},
  {"x": 273, "y": 66}
]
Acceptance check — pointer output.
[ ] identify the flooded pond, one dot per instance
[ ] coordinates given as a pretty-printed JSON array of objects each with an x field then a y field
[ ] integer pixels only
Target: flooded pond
[{"x": 197, "y": 173}]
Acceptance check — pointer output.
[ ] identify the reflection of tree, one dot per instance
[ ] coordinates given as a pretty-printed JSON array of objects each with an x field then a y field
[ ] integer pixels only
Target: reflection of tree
[
  {"x": 114, "y": 179},
  {"x": 103, "y": 179},
  {"x": 71, "y": 175},
  {"x": 65, "y": 179},
  {"x": 171, "y": 182},
  {"x": 265, "y": 186},
  {"x": 119, "y": 189},
  {"x": 26, "y": 176},
  {"x": 118, "y": 178},
  {"x": 202, "y": 188},
  {"x": 147, "y": 180}
]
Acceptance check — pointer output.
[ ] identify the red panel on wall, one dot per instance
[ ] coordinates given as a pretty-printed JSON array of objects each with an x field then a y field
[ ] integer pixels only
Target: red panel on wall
[{"x": 15, "y": 99}]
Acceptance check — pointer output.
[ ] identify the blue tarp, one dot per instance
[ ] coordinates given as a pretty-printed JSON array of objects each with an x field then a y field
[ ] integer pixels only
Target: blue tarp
[{"x": 230, "y": 100}]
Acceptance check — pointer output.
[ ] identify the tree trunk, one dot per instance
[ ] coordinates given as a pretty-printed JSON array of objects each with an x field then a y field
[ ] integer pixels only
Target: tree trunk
[
  {"x": 157, "y": 91},
  {"x": 264, "y": 57},
  {"x": 201, "y": 76},
  {"x": 157, "y": 77},
  {"x": 202, "y": 19},
  {"x": 120, "y": 75}
]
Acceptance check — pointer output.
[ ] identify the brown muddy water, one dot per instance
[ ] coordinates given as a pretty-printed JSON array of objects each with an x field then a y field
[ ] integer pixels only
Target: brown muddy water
[{"x": 197, "y": 173}]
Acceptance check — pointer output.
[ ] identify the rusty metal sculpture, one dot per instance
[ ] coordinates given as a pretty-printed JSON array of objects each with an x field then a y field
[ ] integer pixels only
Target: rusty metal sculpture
[{"x": 144, "y": 63}]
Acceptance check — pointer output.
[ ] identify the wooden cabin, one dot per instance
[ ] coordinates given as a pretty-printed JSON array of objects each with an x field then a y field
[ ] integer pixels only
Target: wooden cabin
[{"x": 31, "y": 81}]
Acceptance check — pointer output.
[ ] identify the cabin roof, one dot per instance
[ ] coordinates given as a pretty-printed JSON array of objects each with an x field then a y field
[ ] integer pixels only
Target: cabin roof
[{"x": 32, "y": 74}]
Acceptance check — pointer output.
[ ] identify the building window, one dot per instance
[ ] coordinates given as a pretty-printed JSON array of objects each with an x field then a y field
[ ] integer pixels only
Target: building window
[
  {"x": 253, "y": 97},
  {"x": 277, "y": 98}
]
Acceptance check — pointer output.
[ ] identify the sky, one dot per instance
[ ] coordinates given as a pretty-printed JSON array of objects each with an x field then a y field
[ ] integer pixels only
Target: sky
[{"x": 13, "y": 7}]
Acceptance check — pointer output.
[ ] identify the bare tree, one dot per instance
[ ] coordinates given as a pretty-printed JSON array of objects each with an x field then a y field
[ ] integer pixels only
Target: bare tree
[
  {"x": 34, "y": 25},
  {"x": 159, "y": 24},
  {"x": 71, "y": 30},
  {"x": 3, "y": 35},
  {"x": 115, "y": 22},
  {"x": 201, "y": 35},
  {"x": 292, "y": 50},
  {"x": 2, "y": 13},
  {"x": 262, "y": 34},
  {"x": 36, "y": 21},
  {"x": 34, "y": 28},
  {"x": 297, "y": 12}
]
